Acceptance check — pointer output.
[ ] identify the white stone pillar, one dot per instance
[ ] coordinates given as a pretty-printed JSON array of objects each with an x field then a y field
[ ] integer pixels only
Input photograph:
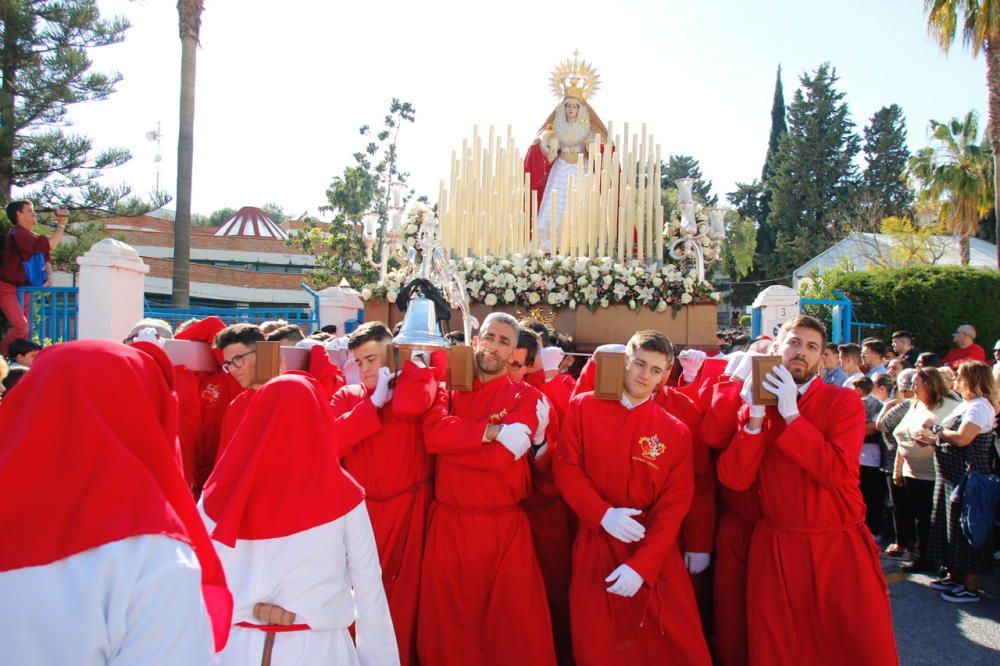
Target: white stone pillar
[
  {"x": 337, "y": 305},
  {"x": 112, "y": 287}
]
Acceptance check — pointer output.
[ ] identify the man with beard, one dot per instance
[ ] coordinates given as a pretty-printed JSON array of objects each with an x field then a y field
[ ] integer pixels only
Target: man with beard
[
  {"x": 482, "y": 597},
  {"x": 625, "y": 468},
  {"x": 805, "y": 452}
]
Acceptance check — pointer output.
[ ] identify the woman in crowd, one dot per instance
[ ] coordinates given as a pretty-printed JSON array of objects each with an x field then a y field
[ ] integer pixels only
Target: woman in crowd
[
  {"x": 963, "y": 440},
  {"x": 914, "y": 471},
  {"x": 892, "y": 413}
]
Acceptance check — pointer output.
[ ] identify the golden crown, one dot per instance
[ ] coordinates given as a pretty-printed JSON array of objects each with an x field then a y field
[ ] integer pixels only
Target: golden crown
[{"x": 575, "y": 78}]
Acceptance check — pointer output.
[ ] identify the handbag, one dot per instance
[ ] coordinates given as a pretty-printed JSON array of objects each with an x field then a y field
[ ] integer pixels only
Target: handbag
[
  {"x": 35, "y": 274},
  {"x": 977, "y": 497}
]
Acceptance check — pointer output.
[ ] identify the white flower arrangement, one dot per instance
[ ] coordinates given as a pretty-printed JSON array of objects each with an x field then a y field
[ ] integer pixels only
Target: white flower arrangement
[{"x": 561, "y": 282}]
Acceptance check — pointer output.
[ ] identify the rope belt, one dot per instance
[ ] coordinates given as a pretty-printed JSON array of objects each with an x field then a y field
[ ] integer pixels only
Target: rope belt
[
  {"x": 484, "y": 511},
  {"x": 811, "y": 530},
  {"x": 412, "y": 488}
]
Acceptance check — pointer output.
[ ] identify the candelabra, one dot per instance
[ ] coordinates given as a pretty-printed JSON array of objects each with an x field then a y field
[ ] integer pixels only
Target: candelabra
[
  {"x": 689, "y": 245},
  {"x": 392, "y": 234}
]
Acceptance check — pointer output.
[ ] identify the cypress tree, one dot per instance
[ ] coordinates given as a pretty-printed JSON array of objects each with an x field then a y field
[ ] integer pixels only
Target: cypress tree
[{"x": 815, "y": 173}]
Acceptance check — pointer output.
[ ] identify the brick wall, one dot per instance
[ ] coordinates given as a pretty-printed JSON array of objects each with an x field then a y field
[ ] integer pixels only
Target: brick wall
[{"x": 163, "y": 268}]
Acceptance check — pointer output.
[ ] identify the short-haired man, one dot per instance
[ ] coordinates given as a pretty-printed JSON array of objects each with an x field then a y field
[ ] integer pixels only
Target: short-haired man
[
  {"x": 965, "y": 348},
  {"x": 804, "y": 453},
  {"x": 288, "y": 335},
  {"x": 625, "y": 468},
  {"x": 382, "y": 446},
  {"x": 833, "y": 374},
  {"x": 238, "y": 345},
  {"x": 873, "y": 356},
  {"x": 482, "y": 597},
  {"x": 902, "y": 344},
  {"x": 21, "y": 242},
  {"x": 850, "y": 362},
  {"x": 547, "y": 513}
]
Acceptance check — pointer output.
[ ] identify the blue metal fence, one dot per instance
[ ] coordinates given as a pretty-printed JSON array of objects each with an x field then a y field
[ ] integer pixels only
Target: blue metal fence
[
  {"x": 307, "y": 318},
  {"x": 51, "y": 312}
]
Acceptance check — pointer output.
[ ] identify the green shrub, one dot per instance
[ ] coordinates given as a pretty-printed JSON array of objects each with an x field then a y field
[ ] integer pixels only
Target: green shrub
[{"x": 928, "y": 301}]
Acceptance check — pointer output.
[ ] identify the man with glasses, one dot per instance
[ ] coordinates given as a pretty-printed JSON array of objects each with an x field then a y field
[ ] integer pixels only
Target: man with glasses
[
  {"x": 965, "y": 348},
  {"x": 239, "y": 360}
]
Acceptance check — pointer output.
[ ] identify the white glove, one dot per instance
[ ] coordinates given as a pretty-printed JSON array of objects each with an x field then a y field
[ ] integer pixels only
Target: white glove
[
  {"x": 756, "y": 411},
  {"x": 620, "y": 524},
  {"x": 625, "y": 581},
  {"x": 697, "y": 562},
  {"x": 149, "y": 334},
  {"x": 382, "y": 393},
  {"x": 732, "y": 362},
  {"x": 542, "y": 412},
  {"x": 691, "y": 362},
  {"x": 781, "y": 383},
  {"x": 516, "y": 438},
  {"x": 742, "y": 370}
]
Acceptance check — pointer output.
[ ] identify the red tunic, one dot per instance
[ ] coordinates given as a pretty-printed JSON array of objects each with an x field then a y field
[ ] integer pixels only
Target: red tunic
[
  {"x": 739, "y": 511},
  {"x": 549, "y": 518},
  {"x": 482, "y": 597},
  {"x": 189, "y": 432},
  {"x": 813, "y": 518},
  {"x": 395, "y": 470},
  {"x": 217, "y": 391},
  {"x": 698, "y": 529},
  {"x": 957, "y": 355},
  {"x": 611, "y": 456}
]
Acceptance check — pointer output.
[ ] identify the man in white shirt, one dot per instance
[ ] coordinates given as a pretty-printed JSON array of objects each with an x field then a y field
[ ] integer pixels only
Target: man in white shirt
[{"x": 850, "y": 362}]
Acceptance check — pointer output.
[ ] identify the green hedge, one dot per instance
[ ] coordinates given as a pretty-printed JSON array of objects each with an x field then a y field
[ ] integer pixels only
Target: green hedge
[{"x": 928, "y": 301}]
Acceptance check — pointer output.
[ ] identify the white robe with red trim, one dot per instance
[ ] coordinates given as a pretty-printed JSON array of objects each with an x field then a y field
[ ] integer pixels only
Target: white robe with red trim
[
  {"x": 132, "y": 602},
  {"x": 329, "y": 576}
]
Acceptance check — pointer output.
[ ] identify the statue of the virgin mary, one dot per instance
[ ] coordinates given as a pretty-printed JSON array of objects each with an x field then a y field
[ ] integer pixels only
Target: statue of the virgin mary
[{"x": 568, "y": 132}]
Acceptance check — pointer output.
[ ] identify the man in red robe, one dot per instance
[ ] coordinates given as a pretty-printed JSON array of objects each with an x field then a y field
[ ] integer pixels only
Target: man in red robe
[
  {"x": 547, "y": 512},
  {"x": 812, "y": 536},
  {"x": 394, "y": 468},
  {"x": 739, "y": 511},
  {"x": 216, "y": 390},
  {"x": 625, "y": 468},
  {"x": 482, "y": 597}
]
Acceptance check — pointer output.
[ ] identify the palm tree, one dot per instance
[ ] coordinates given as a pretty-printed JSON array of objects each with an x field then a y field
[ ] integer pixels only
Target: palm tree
[
  {"x": 980, "y": 21},
  {"x": 189, "y": 13},
  {"x": 957, "y": 172}
]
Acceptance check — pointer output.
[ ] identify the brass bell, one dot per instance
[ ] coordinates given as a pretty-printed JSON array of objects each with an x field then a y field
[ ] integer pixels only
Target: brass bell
[{"x": 420, "y": 328}]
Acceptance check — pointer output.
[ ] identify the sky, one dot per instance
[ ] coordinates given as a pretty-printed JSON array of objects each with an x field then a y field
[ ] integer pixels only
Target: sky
[{"x": 282, "y": 88}]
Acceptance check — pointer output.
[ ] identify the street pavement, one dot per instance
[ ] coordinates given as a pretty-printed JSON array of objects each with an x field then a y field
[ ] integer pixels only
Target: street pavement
[{"x": 932, "y": 632}]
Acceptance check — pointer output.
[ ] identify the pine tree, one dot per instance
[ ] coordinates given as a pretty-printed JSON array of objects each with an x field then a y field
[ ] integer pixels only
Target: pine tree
[
  {"x": 886, "y": 155},
  {"x": 44, "y": 68},
  {"x": 815, "y": 174},
  {"x": 685, "y": 166}
]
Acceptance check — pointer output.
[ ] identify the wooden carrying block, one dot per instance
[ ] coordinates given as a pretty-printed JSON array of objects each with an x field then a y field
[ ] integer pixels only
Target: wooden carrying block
[
  {"x": 460, "y": 361},
  {"x": 193, "y": 354},
  {"x": 268, "y": 361},
  {"x": 398, "y": 357},
  {"x": 761, "y": 365},
  {"x": 610, "y": 382}
]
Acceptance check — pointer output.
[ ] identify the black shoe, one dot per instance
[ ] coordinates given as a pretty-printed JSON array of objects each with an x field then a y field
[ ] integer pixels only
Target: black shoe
[
  {"x": 917, "y": 566},
  {"x": 961, "y": 595},
  {"x": 946, "y": 584}
]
